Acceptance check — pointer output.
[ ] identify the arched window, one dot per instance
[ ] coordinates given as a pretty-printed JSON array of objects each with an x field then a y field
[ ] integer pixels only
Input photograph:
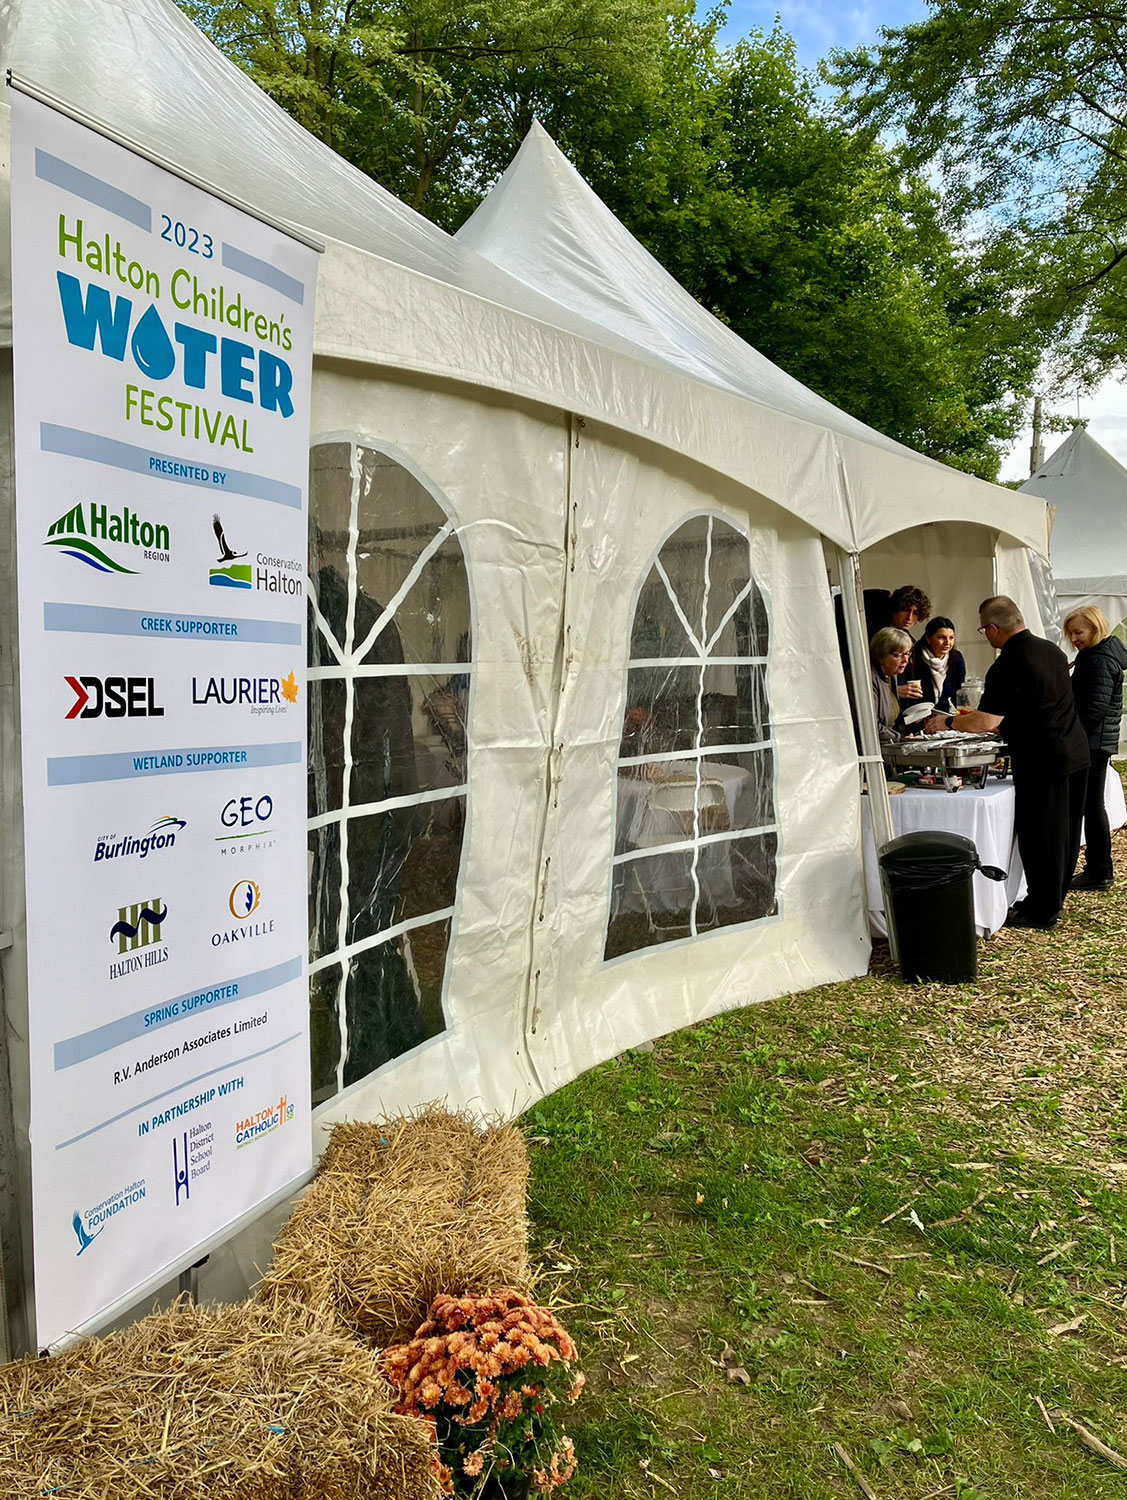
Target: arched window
[
  {"x": 390, "y": 653},
  {"x": 695, "y": 835}
]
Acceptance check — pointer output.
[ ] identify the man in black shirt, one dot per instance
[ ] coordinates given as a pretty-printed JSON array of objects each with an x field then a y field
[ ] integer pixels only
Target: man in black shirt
[{"x": 1029, "y": 696}]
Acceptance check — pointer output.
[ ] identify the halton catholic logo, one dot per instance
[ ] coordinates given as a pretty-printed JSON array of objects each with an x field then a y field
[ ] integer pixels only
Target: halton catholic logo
[{"x": 138, "y": 926}]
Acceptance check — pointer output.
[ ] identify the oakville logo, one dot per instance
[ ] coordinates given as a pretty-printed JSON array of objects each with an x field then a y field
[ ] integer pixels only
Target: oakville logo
[
  {"x": 77, "y": 535},
  {"x": 229, "y": 573},
  {"x": 244, "y": 898},
  {"x": 139, "y": 925},
  {"x": 113, "y": 697}
]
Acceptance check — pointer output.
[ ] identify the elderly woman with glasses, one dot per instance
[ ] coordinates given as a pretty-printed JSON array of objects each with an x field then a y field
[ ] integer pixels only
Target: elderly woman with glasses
[{"x": 890, "y": 651}]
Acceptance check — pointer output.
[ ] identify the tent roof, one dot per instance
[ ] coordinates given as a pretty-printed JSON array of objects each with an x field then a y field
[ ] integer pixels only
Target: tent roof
[
  {"x": 397, "y": 291},
  {"x": 1089, "y": 488},
  {"x": 546, "y": 225}
]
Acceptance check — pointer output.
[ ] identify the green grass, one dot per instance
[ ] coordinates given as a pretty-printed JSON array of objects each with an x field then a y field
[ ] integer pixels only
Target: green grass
[{"x": 704, "y": 1212}]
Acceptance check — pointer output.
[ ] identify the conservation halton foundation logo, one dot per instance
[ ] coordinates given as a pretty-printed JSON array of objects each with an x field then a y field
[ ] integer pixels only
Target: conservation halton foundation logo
[
  {"x": 139, "y": 927},
  {"x": 80, "y": 532},
  {"x": 269, "y": 575}
]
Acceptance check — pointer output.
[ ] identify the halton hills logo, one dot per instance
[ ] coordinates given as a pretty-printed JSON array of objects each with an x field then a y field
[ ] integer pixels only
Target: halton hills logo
[
  {"x": 229, "y": 572},
  {"x": 269, "y": 575},
  {"x": 262, "y": 695},
  {"x": 162, "y": 835},
  {"x": 139, "y": 926},
  {"x": 78, "y": 533},
  {"x": 113, "y": 698}
]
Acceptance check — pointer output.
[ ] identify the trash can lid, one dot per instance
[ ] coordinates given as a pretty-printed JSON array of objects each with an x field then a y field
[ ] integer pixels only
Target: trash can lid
[{"x": 934, "y": 847}]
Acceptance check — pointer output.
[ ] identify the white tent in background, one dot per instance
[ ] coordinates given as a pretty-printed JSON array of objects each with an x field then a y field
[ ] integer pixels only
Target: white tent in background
[
  {"x": 1088, "y": 552},
  {"x": 914, "y": 520},
  {"x": 601, "y": 779}
]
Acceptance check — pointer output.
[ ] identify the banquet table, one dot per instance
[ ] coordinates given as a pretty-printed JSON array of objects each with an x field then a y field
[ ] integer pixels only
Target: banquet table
[
  {"x": 661, "y": 882},
  {"x": 986, "y": 817}
]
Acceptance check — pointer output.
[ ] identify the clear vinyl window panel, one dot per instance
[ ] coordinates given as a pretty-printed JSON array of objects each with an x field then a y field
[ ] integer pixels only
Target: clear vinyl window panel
[
  {"x": 696, "y": 842},
  {"x": 390, "y": 666}
]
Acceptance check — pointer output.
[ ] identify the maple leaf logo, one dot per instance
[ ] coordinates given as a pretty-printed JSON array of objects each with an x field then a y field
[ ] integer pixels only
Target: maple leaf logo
[{"x": 289, "y": 688}]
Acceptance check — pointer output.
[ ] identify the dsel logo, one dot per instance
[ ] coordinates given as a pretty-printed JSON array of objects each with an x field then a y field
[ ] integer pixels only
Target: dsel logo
[{"x": 113, "y": 698}]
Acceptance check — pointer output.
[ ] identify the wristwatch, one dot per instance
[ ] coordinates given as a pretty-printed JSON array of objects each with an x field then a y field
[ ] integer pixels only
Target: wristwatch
[{"x": 950, "y": 721}]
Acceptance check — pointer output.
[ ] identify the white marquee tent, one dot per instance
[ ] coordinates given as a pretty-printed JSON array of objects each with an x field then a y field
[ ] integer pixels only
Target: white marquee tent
[
  {"x": 1088, "y": 552},
  {"x": 617, "y": 784}
]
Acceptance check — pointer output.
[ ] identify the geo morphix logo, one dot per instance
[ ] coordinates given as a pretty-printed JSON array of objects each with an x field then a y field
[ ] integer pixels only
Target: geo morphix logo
[
  {"x": 139, "y": 926},
  {"x": 162, "y": 835},
  {"x": 264, "y": 1122},
  {"x": 113, "y": 698},
  {"x": 242, "y": 903},
  {"x": 247, "y": 821},
  {"x": 262, "y": 695},
  {"x": 77, "y": 535},
  {"x": 270, "y": 575}
]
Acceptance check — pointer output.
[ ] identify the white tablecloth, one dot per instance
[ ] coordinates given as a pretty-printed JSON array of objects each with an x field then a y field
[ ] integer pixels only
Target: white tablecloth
[
  {"x": 661, "y": 882},
  {"x": 986, "y": 817}
]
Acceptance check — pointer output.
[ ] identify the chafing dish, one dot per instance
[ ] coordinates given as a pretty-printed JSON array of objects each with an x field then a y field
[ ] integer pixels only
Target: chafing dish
[{"x": 959, "y": 759}]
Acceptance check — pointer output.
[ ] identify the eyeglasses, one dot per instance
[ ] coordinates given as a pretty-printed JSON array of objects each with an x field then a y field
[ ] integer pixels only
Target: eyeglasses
[{"x": 982, "y": 629}]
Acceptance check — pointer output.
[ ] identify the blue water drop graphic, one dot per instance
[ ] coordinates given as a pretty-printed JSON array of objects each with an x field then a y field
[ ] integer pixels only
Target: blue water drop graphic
[{"x": 152, "y": 347}]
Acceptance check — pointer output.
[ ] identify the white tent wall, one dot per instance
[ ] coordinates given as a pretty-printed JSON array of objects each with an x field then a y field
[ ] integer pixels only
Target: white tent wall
[{"x": 629, "y": 497}]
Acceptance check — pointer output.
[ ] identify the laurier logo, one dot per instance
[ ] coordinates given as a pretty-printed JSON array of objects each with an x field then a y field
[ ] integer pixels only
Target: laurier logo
[{"x": 78, "y": 533}]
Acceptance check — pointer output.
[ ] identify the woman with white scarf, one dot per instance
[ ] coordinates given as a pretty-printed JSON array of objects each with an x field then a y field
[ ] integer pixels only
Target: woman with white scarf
[{"x": 941, "y": 669}]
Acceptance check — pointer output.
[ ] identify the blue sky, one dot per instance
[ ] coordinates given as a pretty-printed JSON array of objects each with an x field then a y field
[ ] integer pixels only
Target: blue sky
[{"x": 819, "y": 25}]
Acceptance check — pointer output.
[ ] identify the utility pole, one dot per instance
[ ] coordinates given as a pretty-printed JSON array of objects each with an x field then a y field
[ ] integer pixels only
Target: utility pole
[{"x": 1037, "y": 451}]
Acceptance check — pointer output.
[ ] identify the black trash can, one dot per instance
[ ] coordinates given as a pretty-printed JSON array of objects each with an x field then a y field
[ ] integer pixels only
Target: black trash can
[{"x": 928, "y": 881}]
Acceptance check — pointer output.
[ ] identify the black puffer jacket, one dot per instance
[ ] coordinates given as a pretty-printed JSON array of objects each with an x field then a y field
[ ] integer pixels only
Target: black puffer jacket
[{"x": 1097, "y": 686}]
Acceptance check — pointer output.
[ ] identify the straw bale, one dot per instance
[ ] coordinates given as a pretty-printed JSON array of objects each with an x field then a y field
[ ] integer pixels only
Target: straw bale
[
  {"x": 402, "y": 1209},
  {"x": 196, "y": 1403}
]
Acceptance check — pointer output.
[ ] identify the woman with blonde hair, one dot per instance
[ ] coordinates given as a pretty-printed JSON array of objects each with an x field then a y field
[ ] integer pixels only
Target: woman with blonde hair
[
  {"x": 1097, "y": 687},
  {"x": 890, "y": 651}
]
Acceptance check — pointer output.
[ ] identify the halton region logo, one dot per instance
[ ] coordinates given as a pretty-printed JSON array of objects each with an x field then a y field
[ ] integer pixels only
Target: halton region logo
[
  {"x": 229, "y": 572},
  {"x": 113, "y": 698},
  {"x": 79, "y": 532},
  {"x": 244, "y": 898},
  {"x": 161, "y": 835}
]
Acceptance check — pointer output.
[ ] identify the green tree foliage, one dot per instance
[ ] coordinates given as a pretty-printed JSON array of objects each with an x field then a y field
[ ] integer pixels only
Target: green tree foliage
[
  {"x": 807, "y": 237},
  {"x": 1022, "y": 104}
]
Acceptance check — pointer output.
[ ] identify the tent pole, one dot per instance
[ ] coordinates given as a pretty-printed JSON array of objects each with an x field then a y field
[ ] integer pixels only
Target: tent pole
[{"x": 852, "y": 608}]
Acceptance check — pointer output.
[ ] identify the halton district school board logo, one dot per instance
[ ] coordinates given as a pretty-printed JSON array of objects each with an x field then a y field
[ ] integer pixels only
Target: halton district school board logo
[
  {"x": 161, "y": 835},
  {"x": 242, "y": 902},
  {"x": 262, "y": 695},
  {"x": 270, "y": 575},
  {"x": 80, "y": 532},
  {"x": 113, "y": 698},
  {"x": 139, "y": 927}
]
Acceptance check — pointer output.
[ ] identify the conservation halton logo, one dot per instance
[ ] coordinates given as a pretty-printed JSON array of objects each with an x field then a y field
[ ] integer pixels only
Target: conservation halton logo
[
  {"x": 139, "y": 926},
  {"x": 270, "y": 575},
  {"x": 79, "y": 532},
  {"x": 161, "y": 835}
]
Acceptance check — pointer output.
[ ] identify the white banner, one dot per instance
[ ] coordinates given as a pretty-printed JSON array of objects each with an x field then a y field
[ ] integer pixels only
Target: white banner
[{"x": 162, "y": 359}]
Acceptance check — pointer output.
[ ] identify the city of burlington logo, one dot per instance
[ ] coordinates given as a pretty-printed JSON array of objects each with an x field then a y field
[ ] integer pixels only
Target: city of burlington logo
[
  {"x": 229, "y": 572},
  {"x": 79, "y": 532}
]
